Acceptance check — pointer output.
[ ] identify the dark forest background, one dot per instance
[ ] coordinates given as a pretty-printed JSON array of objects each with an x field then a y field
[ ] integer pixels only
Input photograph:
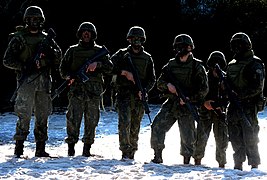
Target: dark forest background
[{"x": 210, "y": 23}]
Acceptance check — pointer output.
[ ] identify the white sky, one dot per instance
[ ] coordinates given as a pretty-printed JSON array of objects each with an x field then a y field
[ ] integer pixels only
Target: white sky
[{"x": 108, "y": 165}]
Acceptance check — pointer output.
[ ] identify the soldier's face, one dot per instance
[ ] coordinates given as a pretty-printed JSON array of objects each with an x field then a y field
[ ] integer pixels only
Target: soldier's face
[
  {"x": 33, "y": 22},
  {"x": 86, "y": 36},
  {"x": 136, "y": 42},
  {"x": 182, "y": 49}
]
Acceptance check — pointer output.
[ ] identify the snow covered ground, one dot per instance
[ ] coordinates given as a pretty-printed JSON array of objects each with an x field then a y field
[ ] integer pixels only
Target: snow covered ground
[{"x": 107, "y": 164}]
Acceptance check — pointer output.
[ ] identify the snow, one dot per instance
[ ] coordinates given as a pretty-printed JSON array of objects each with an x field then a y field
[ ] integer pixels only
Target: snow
[{"x": 106, "y": 163}]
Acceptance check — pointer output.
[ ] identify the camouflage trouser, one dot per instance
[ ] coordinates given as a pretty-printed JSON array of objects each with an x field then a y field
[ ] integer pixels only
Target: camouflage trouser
[
  {"x": 244, "y": 139},
  {"x": 28, "y": 101},
  {"x": 208, "y": 120},
  {"x": 80, "y": 108},
  {"x": 130, "y": 112},
  {"x": 169, "y": 113}
]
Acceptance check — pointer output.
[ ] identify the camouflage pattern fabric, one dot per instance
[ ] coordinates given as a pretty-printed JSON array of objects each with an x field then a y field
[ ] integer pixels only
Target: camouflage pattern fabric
[
  {"x": 84, "y": 97},
  {"x": 246, "y": 74},
  {"x": 78, "y": 108},
  {"x": 195, "y": 85},
  {"x": 130, "y": 112},
  {"x": 210, "y": 119},
  {"x": 170, "y": 113},
  {"x": 33, "y": 95},
  {"x": 129, "y": 106}
]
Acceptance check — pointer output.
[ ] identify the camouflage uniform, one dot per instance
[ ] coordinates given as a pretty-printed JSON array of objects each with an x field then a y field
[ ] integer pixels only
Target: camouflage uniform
[
  {"x": 84, "y": 97},
  {"x": 192, "y": 78},
  {"x": 246, "y": 75},
  {"x": 129, "y": 105},
  {"x": 214, "y": 118},
  {"x": 34, "y": 84}
]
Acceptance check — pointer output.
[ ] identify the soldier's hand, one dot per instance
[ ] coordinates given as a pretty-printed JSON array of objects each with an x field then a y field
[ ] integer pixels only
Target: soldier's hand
[
  {"x": 172, "y": 88},
  {"x": 208, "y": 105},
  {"x": 141, "y": 95},
  {"x": 128, "y": 75},
  {"x": 91, "y": 67},
  {"x": 71, "y": 80},
  {"x": 182, "y": 102}
]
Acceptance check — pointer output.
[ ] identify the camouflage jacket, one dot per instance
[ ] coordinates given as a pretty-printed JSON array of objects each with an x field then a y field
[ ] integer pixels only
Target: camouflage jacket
[
  {"x": 144, "y": 66},
  {"x": 190, "y": 76},
  {"x": 246, "y": 76},
  {"x": 75, "y": 57},
  {"x": 33, "y": 57}
]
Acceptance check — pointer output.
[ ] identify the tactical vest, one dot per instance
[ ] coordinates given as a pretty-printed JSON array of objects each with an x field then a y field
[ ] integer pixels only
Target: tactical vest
[
  {"x": 29, "y": 45},
  {"x": 235, "y": 73},
  {"x": 79, "y": 56},
  {"x": 184, "y": 73},
  {"x": 140, "y": 62}
]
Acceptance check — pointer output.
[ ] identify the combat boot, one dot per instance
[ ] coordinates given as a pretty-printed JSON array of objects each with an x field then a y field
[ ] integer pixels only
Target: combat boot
[
  {"x": 239, "y": 166},
  {"x": 40, "y": 150},
  {"x": 157, "y": 156},
  {"x": 19, "y": 148},
  {"x": 186, "y": 159},
  {"x": 131, "y": 155},
  {"x": 197, "y": 162},
  {"x": 71, "y": 150},
  {"x": 86, "y": 150},
  {"x": 125, "y": 156}
]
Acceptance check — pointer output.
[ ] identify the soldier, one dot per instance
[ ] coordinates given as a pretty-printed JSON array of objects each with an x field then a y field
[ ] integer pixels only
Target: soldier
[
  {"x": 84, "y": 96},
  {"x": 129, "y": 105},
  {"x": 212, "y": 113},
  {"x": 32, "y": 54},
  {"x": 245, "y": 75},
  {"x": 190, "y": 75}
]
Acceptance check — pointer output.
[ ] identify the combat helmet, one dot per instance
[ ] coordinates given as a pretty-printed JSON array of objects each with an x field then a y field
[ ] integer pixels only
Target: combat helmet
[
  {"x": 183, "y": 39},
  {"x": 87, "y": 26},
  {"x": 34, "y": 11},
  {"x": 136, "y": 31},
  {"x": 216, "y": 57},
  {"x": 240, "y": 42}
]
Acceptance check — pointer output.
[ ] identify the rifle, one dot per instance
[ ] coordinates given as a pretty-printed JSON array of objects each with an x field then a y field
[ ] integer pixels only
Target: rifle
[
  {"x": 81, "y": 73},
  {"x": 35, "y": 61},
  {"x": 139, "y": 85},
  {"x": 219, "y": 112},
  {"x": 181, "y": 96},
  {"x": 187, "y": 102},
  {"x": 232, "y": 96}
]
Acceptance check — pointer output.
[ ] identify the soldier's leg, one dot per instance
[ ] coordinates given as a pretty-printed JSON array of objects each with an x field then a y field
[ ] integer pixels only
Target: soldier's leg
[
  {"x": 252, "y": 139},
  {"x": 236, "y": 137},
  {"x": 124, "y": 124},
  {"x": 162, "y": 123},
  {"x": 220, "y": 131},
  {"x": 91, "y": 119},
  {"x": 203, "y": 131},
  {"x": 74, "y": 118},
  {"x": 23, "y": 108},
  {"x": 186, "y": 125},
  {"x": 137, "y": 115},
  {"x": 42, "y": 110}
]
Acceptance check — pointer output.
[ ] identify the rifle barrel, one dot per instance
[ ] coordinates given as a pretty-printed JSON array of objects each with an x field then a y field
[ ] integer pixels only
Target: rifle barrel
[{"x": 139, "y": 85}]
